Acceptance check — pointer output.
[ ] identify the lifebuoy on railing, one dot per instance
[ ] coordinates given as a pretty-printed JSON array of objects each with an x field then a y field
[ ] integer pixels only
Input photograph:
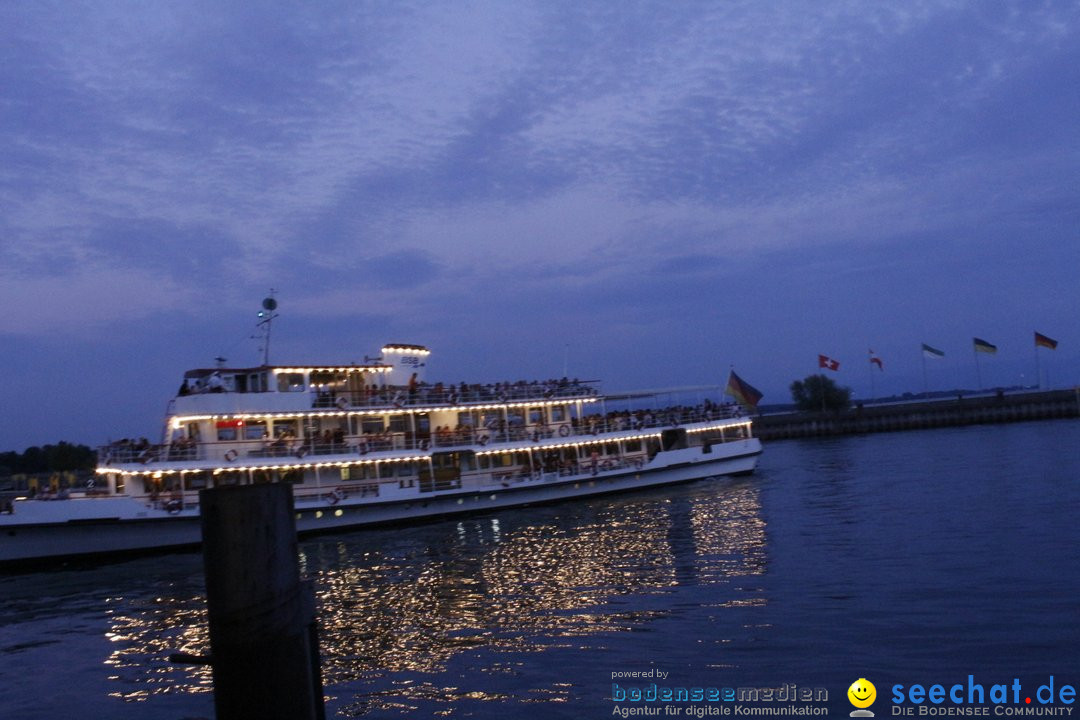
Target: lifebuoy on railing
[
  {"x": 342, "y": 402},
  {"x": 425, "y": 444},
  {"x": 482, "y": 440},
  {"x": 301, "y": 452},
  {"x": 337, "y": 496},
  {"x": 607, "y": 465},
  {"x": 230, "y": 456},
  {"x": 564, "y": 430},
  {"x": 174, "y": 506}
]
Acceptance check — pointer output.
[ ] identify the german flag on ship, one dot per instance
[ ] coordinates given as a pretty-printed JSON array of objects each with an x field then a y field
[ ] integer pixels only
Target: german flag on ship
[
  {"x": 1043, "y": 341},
  {"x": 744, "y": 393}
]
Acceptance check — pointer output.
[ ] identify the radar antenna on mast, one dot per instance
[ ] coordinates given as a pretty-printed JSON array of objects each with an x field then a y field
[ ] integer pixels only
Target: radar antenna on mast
[{"x": 266, "y": 319}]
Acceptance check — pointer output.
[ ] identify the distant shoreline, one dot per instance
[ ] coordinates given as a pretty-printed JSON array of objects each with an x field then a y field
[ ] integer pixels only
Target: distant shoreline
[{"x": 953, "y": 411}]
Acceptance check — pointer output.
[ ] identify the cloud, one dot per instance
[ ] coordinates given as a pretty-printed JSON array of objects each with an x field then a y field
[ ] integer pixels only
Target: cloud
[{"x": 87, "y": 300}]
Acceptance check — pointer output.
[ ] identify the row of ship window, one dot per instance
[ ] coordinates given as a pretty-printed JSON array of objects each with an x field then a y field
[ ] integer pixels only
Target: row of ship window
[{"x": 463, "y": 462}]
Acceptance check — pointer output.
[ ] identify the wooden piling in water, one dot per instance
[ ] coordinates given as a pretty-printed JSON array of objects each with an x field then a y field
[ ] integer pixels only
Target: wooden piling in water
[{"x": 264, "y": 651}]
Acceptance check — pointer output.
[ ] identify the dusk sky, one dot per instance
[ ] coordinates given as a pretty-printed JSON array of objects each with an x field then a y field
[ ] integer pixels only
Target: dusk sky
[{"x": 649, "y": 193}]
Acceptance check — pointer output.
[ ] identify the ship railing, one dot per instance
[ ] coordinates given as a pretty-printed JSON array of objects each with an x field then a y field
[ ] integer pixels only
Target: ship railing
[
  {"x": 586, "y": 468},
  {"x": 336, "y": 493},
  {"x": 665, "y": 418},
  {"x": 390, "y": 397},
  {"x": 591, "y": 426},
  {"x": 235, "y": 451},
  {"x": 146, "y": 453},
  {"x": 173, "y": 503},
  {"x": 128, "y": 451}
]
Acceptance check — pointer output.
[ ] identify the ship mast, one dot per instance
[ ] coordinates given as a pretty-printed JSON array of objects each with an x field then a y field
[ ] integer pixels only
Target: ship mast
[{"x": 267, "y": 315}]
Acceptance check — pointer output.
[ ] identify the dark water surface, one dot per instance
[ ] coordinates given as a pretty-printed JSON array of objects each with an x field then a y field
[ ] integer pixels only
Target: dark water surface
[{"x": 919, "y": 557}]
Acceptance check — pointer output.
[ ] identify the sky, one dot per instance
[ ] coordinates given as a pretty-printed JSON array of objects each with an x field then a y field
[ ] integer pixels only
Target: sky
[{"x": 642, "y": 193}]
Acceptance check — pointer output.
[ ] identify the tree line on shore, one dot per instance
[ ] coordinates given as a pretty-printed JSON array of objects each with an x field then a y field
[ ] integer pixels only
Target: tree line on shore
[
  {"x": 60, "y": 457},
  {"x": 817, "y": 393}
]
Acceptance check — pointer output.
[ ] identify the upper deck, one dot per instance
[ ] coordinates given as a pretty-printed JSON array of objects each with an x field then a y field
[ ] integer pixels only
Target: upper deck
[
  {"x": 394, "y": 379},
  {"x": 223, "y": 391},
  {"x": 267, "y": 415}
]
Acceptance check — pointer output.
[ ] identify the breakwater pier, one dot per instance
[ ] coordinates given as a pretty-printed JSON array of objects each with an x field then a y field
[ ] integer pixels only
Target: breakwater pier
[{"x": 1000, "y": 407}]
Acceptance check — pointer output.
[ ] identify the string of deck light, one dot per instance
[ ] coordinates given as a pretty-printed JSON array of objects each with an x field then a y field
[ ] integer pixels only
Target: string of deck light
[
  {"x": 177, "y": 420},
  {"x": 331, "y": 368},
  {"x": 418, "y": 456}
]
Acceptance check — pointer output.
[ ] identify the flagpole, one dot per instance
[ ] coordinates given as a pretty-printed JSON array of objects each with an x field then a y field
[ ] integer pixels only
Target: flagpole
[
  {"x": 870, "y": 367},
  {"x": 925, "y": 386},
  {"x": 821, "y": 386},
  {"x": 978, "y": 370},
  {"x": 1038, "y": 371}
]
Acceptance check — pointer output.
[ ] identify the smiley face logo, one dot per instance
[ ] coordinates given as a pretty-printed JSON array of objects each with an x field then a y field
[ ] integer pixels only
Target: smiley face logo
[{"x": 862, "y": 693}]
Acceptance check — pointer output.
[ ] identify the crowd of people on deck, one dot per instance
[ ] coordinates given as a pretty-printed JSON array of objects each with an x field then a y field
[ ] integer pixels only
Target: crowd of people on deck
[
  {"x": 674, "y": 416},
  {"x": 510, "y": 428},
  {"x": 182, "y": 448},
  {"x": 423, "y": 393},
  {"x": 213, "y": 383},
  {"x": 128, "y": 450},
  {"x": 619, "y": 420}
]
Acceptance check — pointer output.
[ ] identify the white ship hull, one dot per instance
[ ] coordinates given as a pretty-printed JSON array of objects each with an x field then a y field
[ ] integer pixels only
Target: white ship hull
[
  {"x": 373, "y": 444},
  {"x": 39, "y": 530}
]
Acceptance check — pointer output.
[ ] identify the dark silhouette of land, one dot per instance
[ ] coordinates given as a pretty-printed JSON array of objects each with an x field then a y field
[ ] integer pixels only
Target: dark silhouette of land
[
  {"x": 916, "y": 414},
  {"x": 48, "y": 458}
]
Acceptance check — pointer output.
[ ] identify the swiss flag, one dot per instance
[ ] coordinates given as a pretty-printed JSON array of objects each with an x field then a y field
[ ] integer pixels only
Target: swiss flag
[{"x": 824, "y": 361}]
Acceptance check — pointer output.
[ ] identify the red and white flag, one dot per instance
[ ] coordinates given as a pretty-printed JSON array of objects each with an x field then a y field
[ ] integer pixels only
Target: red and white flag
[
  {"x": 824, "y": 361},
  {"x": 876, "y": 360}
]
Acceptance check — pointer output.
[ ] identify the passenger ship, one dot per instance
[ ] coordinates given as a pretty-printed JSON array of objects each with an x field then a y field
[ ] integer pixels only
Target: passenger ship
[{"x": 374, "y": 443}]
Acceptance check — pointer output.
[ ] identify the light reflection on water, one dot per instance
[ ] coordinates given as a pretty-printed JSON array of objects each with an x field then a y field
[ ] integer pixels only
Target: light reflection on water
[
  {"x": 400, "y": 604},
  {"x": 881, "y": 557},
  {"x": 397, "y": 606},
  {"x": 168, "y": 624},
  {"x": 92, "y": 641}
]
